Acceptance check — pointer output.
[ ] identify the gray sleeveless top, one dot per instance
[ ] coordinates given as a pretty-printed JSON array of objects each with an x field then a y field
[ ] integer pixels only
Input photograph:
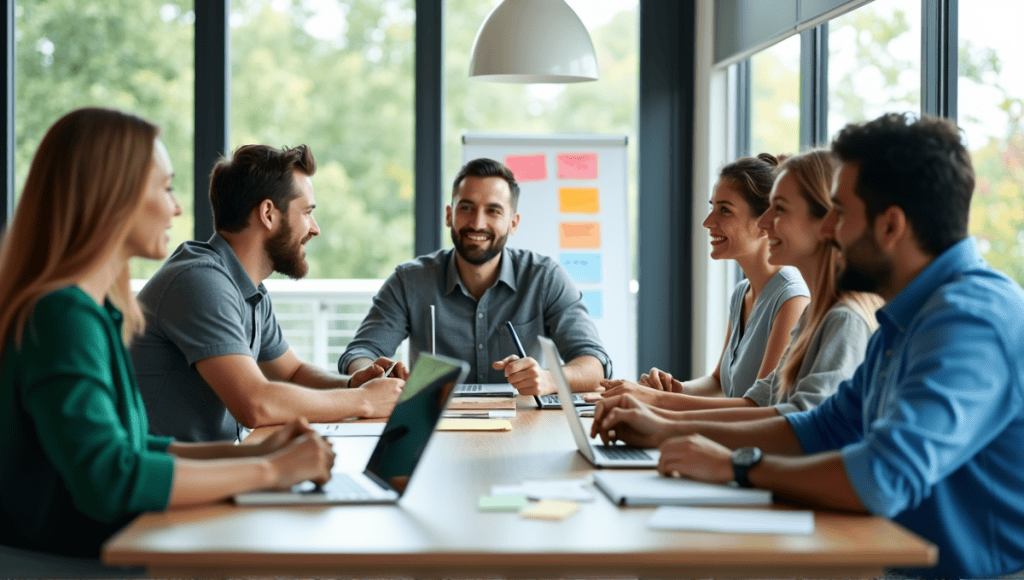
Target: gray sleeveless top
[{"x": 745, "y": 351}]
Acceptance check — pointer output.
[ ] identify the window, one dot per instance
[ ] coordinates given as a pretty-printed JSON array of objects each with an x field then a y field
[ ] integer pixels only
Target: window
[
  {"x": 135, "y": 55},
  {"x": 874, "y": 62},
  {"x": 991, "y": 109},
  {"x": 337, "y": 76},
  {"x": 775, "y": 99}
]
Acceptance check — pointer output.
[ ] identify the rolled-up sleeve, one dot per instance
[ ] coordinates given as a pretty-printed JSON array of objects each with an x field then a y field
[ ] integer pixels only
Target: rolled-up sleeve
[
  {"x": 955, "y": 397},
  {"x": 385, "y": 327}
]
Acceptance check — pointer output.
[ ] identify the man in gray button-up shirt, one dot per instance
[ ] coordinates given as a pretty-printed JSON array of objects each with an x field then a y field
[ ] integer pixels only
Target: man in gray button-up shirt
[
  {"x": 212, "y": 355},
  {"x": 476, "y": 288}
]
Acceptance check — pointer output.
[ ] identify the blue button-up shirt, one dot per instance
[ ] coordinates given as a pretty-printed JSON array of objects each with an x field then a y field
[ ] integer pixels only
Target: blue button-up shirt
[{"x": 931, "y": 426}]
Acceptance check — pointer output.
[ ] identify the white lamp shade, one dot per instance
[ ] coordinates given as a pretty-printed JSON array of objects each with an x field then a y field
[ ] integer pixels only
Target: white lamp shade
[{"x": 533, "y": 41}]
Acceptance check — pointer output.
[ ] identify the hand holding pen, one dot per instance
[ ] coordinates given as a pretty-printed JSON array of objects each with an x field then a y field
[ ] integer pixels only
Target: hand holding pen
[{"x": 524, "y": 372}]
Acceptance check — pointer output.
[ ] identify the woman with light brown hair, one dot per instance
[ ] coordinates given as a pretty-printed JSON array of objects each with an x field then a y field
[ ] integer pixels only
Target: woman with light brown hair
[
  {"x": 76, "y": 460},
  {"x": 830, "y": 339}
]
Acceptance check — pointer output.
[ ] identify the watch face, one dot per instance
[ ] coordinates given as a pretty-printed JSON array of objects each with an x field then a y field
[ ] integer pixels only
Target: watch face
[{"x": 746, "y": 456}]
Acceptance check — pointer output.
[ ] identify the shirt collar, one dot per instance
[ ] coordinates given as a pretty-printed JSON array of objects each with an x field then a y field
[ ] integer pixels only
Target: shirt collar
[
  {"x": 506, "y": 272},
  {"x": 958, "y": 258},
  {"x": 235, "y": 269}
]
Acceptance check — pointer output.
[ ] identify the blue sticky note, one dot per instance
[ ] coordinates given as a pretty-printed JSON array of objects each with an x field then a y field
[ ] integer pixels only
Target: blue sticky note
[
  {"x": 594, "y": 299},
  {"x": 584, "y": 268}
]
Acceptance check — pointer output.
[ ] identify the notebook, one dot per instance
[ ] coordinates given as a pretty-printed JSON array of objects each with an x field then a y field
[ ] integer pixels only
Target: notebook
[
  {"x": 597, "y": 454},
  {"x": 648, "y": 488},
  {"x": 398, "y": 450}
]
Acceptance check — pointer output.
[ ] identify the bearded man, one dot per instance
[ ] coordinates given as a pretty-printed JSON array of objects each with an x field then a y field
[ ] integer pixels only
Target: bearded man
[
  {"x": 212, "y": 357},
  {"x": 478, "y": 286}
]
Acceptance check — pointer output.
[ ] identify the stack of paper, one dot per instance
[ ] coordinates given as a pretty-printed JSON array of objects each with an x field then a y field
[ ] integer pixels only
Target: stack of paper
[{"x": 481, "y": 408}]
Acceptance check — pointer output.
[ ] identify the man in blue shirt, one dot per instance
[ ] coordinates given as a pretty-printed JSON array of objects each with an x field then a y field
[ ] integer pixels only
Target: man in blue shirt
[{"x": 930, "y": 429}]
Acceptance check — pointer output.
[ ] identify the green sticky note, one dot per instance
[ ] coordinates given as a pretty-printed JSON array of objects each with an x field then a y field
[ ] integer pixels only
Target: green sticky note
[{"x": 502, "y": 503}]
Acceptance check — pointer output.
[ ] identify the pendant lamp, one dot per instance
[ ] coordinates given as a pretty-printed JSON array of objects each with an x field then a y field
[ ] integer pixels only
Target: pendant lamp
[{"x": 533, "y": 41}]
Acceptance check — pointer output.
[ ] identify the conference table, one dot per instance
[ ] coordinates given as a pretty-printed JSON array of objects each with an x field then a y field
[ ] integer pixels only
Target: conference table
[{"x": 437, "y": 531}]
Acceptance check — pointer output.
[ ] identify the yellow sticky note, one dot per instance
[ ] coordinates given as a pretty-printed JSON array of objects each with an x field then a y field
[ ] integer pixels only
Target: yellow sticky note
[
  {"x": 474, "y": 425},
  {"x": 578, "y": 200},
  {"x": 579, "y": 234},
  {"x": 550, "y": 509}
]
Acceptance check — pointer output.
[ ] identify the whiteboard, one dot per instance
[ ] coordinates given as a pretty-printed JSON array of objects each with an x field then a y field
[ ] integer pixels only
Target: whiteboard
[{"x": 574, "y": 209}]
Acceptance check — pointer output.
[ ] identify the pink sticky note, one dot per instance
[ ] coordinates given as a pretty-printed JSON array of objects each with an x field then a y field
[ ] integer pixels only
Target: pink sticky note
[
  {"x": 528, "y": 167},
  {"x": 577, "y": 165}
]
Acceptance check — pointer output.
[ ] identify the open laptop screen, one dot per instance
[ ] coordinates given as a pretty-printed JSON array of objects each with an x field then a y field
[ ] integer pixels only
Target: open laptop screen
[{"x": 414, "y": 418}]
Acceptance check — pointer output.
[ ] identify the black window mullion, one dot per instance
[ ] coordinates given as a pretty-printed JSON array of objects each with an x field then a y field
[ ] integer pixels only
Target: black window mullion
[
  {"x": 743, "y": 98},
  {"x": 429, "y": 196},
  {"x": 939, "y": 62},
  {"x": 814, "y": 86},
  {"x": 212, "y": 98}
]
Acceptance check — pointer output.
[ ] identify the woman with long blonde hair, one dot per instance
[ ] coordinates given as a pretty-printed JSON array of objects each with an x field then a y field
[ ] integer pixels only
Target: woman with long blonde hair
[
  {"x": 830, "y": 339},
  {"x": 76, "y": 459}
]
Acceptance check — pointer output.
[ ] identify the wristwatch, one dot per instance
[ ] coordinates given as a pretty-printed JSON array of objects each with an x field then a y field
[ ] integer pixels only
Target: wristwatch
[{"x": 742, "y": 460}]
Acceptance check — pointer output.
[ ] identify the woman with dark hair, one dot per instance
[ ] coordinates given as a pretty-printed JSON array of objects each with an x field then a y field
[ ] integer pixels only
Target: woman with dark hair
[
  {"x": 76, "y": 459},
  {"x": 764, "y": 307}
]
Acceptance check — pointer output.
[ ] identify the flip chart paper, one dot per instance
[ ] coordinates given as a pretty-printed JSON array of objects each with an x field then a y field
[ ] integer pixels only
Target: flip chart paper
[
  {"x": 577, "y": 165},
  {"x": 585, "y": 268},
  {"x": 528, "y": 167},
  {"x": 578, "y": 200},
  {"x": 579, "y": 234}
]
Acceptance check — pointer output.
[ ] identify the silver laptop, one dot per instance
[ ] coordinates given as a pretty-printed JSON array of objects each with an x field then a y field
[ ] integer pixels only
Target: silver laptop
[
  {"x": 398, "y": 450},
  {"x": 485, "y": 390},
  {"x": 597, "y": 454}
]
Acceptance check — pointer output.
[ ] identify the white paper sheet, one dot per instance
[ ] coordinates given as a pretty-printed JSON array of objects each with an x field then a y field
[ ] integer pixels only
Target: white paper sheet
[
  {"x": 738, "y": 521},
  {"x": 349, "y": 429},
  {"x": 567, "y": 489}
]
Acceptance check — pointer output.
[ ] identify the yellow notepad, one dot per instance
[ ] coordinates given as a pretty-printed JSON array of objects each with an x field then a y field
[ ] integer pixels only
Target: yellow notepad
[
  {"x": 550, "y": 509},
  {"x": 474, "y": 425}
]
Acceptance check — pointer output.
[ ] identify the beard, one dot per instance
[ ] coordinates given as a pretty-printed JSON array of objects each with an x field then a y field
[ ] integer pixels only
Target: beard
[
  {"x": 863, "y": 269},
  {"x": 477, "y": 256},
  {"x": 286, "y": 253}
]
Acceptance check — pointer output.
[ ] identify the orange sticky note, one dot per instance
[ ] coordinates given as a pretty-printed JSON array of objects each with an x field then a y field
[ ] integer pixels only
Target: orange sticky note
[
  {"x": 577, "y": 200},
  {"x": 577, "y": 165},
  {"x": 550, "y": 509},
  {"x": 528, "y": 167},
  {"x": 579, "y": 235}
]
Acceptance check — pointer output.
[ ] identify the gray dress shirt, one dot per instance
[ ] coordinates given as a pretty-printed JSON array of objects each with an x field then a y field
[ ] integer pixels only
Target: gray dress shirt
[
  {"x": 532, "y": 291},
  {"x": 745, "y": 352},
  {"x": 200, "y": 304},
  {"x": 835, "y": 351}
]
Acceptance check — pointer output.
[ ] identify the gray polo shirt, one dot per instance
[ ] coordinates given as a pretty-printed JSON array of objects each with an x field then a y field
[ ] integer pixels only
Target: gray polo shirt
[
  {"x": 532, "y": 291},
  {"x": 200, "y": 304}
]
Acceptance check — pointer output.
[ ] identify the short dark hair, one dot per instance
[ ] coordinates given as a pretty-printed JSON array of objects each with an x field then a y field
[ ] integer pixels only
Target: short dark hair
[
  {"x": 753, "y": 177},
  {"x": 918, "y": 164},
  {"x": 484, "y": 167},
  {"x": 252, "y": 174}
]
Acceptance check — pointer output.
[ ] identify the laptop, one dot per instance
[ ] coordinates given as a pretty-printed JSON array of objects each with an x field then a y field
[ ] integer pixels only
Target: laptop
[
  {"x": 552, "y": 401},
  {"x": 599, "y": 455},
  {"x": 485, "y": 390},
  {"x": 398, "y": 450}
]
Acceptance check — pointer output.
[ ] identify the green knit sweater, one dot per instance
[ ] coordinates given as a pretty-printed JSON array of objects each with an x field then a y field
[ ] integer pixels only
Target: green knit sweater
[{"x": 76, "y": 459}]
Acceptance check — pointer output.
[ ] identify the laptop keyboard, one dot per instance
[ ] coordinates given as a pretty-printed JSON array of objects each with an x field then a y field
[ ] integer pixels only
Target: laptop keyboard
[
  {"x": 552, "y": 400},
  {"x": 622, "y": 452},
  {"x": 344, "y": 487}
]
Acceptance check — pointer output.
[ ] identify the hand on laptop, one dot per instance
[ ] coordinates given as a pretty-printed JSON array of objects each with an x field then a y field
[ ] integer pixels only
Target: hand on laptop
[
  {"x": 307, "y": 457},
  {"x": 283, "y": 436},
  {"x": 660, "y": 380},
  {"x": 642, "y": 393},
  {"x": 623, "y": 418},
  {"x": 380, "y": 396},
  {"x": 377, "y": 370},
  {"x": 526, "y": 375}
]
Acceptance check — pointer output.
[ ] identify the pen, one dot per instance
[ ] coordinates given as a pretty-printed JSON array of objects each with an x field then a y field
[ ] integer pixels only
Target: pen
[
  {"x": 520, "y": 351},
  {"x": 390, "y": 368}
]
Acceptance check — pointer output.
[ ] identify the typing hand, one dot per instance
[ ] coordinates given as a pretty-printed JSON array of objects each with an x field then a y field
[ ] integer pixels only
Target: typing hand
[
  {"x": 623, "y": 418},
  {"x": 377, "y": 370},
  {"x": 642, "y": 393},
  {"x": 380, "y": 396},
  {"x": 309, "y": 457},
  {"x": 284, "y": 435},
  {"x": 526, "y": 375},
  {"x": 697, "y": 457},
  {"x": 660, "y": 380}
]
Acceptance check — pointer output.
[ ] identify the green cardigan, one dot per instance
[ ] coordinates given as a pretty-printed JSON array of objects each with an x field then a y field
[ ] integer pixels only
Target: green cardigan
[{"x": 76, "y": 458}]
